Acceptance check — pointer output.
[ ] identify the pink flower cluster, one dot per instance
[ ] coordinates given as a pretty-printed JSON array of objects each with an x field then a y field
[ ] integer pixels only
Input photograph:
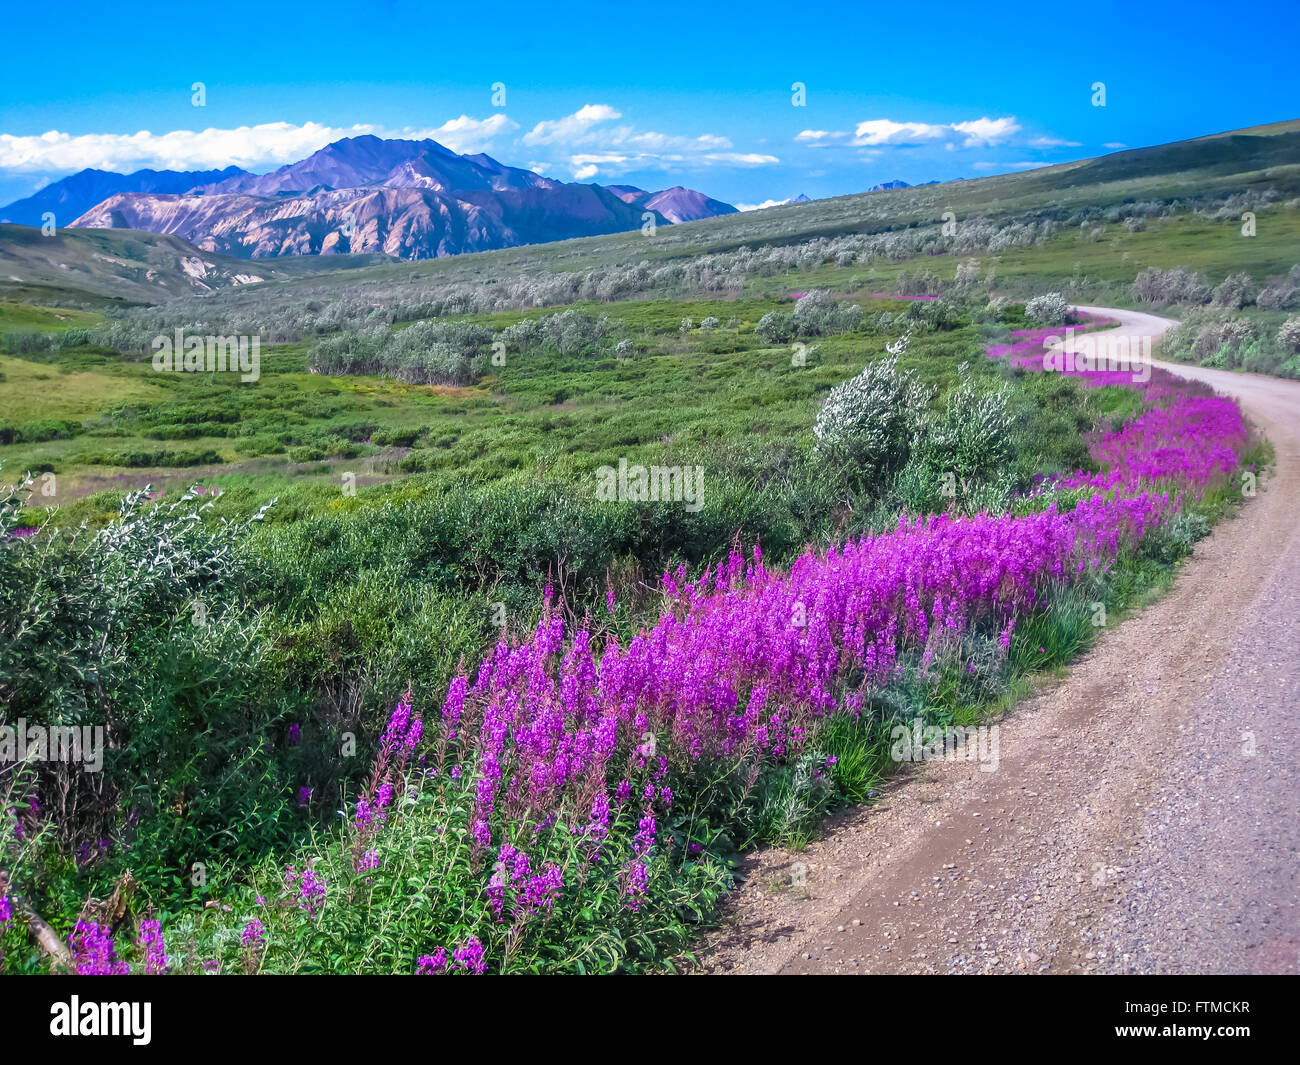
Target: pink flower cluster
[
  {"x": 742, "y": 655},
  {"x": 1191, "y": 441},
  {"x": 467, "y": 958},
  {"x": 1184, "y": 438},
  {"x": 93, "y": 951},
  {"x": 1027, "y": 349}
]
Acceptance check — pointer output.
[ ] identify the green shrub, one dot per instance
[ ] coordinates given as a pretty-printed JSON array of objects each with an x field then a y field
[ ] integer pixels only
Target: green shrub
[
  {"x": 141, "y": 629},
  {"x": 869, "y": 420},
  {"x": 395, "y": 437}
]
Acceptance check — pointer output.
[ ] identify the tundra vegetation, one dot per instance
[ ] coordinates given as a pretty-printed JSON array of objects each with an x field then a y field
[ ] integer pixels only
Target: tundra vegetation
[{"x": 391, "y": 688}]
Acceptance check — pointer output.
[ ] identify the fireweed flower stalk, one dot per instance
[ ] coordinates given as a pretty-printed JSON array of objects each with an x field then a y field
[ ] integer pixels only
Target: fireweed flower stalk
[
  {"x": 253, "y": 933},
  {"x": 402, "y": 735},
  {"x": 151, "y": 944},
  {"x": 312, "y": 889},
  {"x": 6, "y": 915},
  {"x": 253, "y": 941},
  {"x": 93, "y": 952}
]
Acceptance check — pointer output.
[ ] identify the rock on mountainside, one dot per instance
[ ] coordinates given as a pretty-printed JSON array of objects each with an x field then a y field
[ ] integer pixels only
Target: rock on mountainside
[
  {"x": 74, "y": 195},
  {"x": 409, "y": 199}
]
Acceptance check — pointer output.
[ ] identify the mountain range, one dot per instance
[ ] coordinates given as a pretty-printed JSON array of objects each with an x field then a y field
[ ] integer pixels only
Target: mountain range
[
  {"x": 410, "y": 199},
  {"x": 73, "y": 196}
]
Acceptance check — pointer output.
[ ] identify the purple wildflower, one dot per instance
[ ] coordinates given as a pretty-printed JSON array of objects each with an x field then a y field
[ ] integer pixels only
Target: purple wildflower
[
  {"x": 469, "y": 956},
  {"x": 311, "y": 892},
  {"x": 253, "y": 934},
  {"x": 151, "y": 942},
  {"x": 93, "y": 952}
]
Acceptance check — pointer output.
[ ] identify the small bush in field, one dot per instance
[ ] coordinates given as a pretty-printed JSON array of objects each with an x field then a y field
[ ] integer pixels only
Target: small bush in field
[
  {"x": 1234, "y": 292},
  {"x": 918, "y": 282},
  {"x": 1288, "y": 334},
  {"x": 426, "y": 353},
  {"x": 1161, "y": 287},
  {"x": 818, "y": 314},
  {"x": 1278, "y": 296},
  {"x": 1051, "y": 308},
  {"x": 1220, "y": 335},
  {"x": 870, "y": 419},
  {"x": 139, "y": 628},
  {"x": 776, "y": 327},
  {"x": 569, "y": 333}
]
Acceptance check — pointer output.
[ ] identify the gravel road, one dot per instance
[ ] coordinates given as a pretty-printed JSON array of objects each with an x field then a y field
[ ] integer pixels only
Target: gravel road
[{"x": 1144, "y": 816}]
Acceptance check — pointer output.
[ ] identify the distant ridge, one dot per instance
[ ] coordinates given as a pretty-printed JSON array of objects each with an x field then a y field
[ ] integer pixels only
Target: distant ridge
[{"x": 74, "y": 195}]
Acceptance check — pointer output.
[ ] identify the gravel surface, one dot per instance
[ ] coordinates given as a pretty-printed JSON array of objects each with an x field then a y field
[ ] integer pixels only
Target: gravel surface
[{"x": 1143, "y": 817}]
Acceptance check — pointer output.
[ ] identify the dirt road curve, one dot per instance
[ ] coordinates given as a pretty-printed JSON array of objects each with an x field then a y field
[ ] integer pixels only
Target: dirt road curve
[{"x": 1145, "y": 815}]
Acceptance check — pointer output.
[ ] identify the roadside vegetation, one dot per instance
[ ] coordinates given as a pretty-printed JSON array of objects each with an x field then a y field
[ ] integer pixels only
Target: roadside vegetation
[{"x": 390, "y": 687}]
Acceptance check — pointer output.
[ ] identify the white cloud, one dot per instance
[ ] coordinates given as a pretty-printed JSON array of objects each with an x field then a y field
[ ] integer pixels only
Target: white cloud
[
  {"x": 759, "y": 206},
  {"x": 983, "y": 132},
  {"x": 585, "y": 167},
  {"x": 741, "y": 158},
  {"x": 1053, "y": 142},
  {"x": 597, "y": 147},
  {"x": 821, "y": 138},
  {"x": 1114, "y": 144},
  {"x": 885, "y": 132},
  {"x": 251, "y": 147},
  {"x": 587, "y": 142},
  {"x": 572, "y": 128},
  {"x": 472, "y": 135}
]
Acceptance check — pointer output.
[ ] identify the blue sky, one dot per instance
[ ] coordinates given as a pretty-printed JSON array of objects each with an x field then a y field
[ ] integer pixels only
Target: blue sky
[{"x": 699, "y": 95}]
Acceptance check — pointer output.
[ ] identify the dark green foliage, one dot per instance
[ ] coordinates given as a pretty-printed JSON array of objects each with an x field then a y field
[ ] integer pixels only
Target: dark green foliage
[{"x": 142, "y": 629}]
